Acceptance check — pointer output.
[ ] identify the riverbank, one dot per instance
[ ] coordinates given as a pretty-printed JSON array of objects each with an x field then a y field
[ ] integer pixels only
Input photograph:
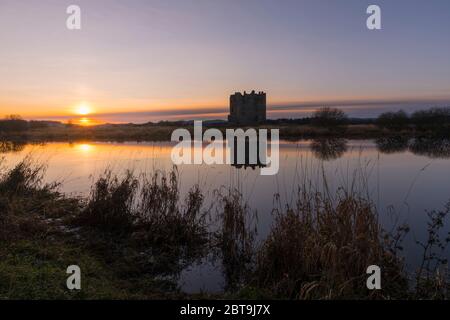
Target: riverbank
[
  {"x": 132, "y": 132},
  {"x": 133, "y": 236}
]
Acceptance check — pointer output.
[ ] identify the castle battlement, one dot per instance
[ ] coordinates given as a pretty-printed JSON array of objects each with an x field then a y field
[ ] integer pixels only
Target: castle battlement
[{"x": 247, "y": 108}]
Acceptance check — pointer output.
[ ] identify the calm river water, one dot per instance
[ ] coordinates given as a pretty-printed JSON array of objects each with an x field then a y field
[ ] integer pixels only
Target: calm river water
[{"x": 405, "y": 177}]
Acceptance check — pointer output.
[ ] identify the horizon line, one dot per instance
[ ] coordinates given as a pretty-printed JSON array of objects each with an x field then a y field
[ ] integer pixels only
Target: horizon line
[{"x": 217, "y": 113}]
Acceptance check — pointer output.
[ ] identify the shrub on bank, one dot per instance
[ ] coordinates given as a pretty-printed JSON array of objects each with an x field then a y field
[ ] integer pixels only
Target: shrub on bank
[
  {"x": 13, "y": 123},
  {"x": 393, "y": 120},
  {"x": 329, "y": 118},
  {"x": 435, "y": 119}
]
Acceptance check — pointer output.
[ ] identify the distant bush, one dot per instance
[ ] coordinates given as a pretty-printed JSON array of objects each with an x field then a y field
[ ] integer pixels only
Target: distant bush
[
  {"x": 329, "y": 117},
  {"x": 33, "y": 124},
  {"x": 434, "y": 119},
  {"x": 393, "y": 120},
  {"x": 13, "y": 123}
]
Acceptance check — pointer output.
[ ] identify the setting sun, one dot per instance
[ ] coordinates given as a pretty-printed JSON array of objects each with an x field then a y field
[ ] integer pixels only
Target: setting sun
[{"x": 83, "y": 109}]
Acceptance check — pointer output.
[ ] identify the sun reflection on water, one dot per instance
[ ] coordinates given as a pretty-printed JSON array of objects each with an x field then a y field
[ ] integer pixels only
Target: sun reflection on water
[{"x": 85, "y": 147}]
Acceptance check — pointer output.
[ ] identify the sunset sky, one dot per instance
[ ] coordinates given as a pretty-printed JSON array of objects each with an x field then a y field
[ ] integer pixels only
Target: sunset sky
[{"x": 140, "y": 60}]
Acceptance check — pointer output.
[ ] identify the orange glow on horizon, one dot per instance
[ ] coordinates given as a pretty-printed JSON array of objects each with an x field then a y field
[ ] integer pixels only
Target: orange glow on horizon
[
  {"x": 85, "y": 122},
  {"x": 99, "y": 110}
]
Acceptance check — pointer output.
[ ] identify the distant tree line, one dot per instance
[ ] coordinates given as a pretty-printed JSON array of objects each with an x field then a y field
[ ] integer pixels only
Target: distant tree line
[
  {"x": 434, "y": 119},
  {"x": 323, "y": 117},
  {"x": 431, "y": 119},
  {"x": 15, "y": 123}
]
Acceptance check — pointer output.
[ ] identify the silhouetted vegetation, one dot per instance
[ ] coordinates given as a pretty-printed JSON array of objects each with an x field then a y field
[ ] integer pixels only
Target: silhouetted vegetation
[
  {"x": 329, "y": 117},
  {"x": 42, "y": 232},
  {"x": 146, "y": 213},
  {"x": 325, "y": 122},
  {"x": 322, "y": 248},
  {"x": 13, "y": 123},
  {"x": 164, "y": 223},
  {"x": 435, "y": 119},
  {"x": 432, "y": 278},
  {"x": 235, "y": 238},
  {"x": 110, "y": 205},
  {"x": 393, "y": 120}
]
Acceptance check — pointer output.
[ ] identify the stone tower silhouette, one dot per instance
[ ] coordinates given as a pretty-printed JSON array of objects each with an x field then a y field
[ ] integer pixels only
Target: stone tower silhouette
[{"x": 247, "y": 108}]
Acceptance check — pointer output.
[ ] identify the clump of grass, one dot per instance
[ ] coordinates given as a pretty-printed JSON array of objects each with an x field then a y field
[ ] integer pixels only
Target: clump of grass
[
  {"x": 236, "y": 238},
  {"x": 110, "y": 204},
  {"x": 147, "y": 204},
  {"x": 159, "y": 197},
  {"x": 322, "y": 248},
  {"x": 26, "y": 201},
  {"x": 25, "y": 178},
  {"x": 160, "y": 217},
  {"x": 22, "y": 186},
  {"x": 143, "y": 224}
]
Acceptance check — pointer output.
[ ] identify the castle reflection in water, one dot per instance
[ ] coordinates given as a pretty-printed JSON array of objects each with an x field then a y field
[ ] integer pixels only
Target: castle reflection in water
[{"x": 326, "y": 149}]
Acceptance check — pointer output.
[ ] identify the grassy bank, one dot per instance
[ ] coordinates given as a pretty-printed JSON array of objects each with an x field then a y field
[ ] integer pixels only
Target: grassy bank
[
  {"x": 130, "y": 132},
  {"x": 134, "y": 235},
  {"x": 325, "y": 122},
  {"x": 122, "y": 256}
]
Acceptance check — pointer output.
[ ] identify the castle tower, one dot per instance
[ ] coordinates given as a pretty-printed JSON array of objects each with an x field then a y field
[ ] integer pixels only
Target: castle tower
[{"x": 247, "y": 108}]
